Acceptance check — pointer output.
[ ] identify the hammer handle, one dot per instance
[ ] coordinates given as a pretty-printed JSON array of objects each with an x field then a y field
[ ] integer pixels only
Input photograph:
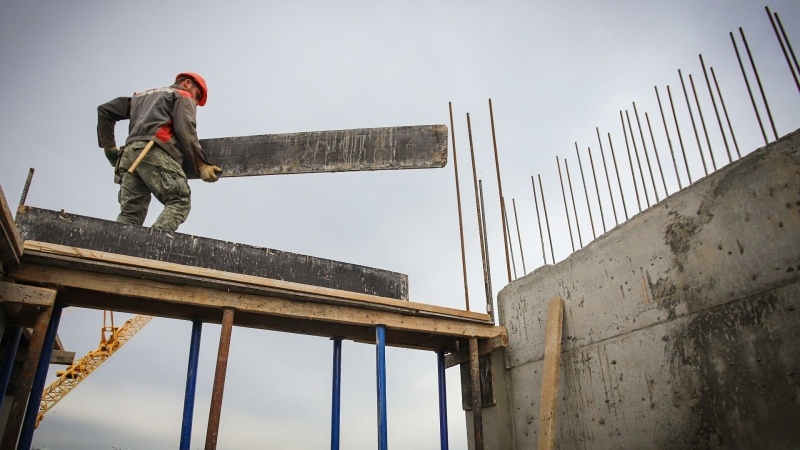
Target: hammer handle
[{"x": 141, "y": 157}]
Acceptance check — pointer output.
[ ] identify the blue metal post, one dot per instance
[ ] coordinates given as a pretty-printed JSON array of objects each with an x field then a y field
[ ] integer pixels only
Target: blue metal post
[
  {"x": 337, "y": 392},
  {"x": 191, "y": 383},
  {"x": 442, "y": 402},
  {"x": 35, "y": 399},
  {"x": 380, "y": 332},
  {"x": 8, "y": 360}
]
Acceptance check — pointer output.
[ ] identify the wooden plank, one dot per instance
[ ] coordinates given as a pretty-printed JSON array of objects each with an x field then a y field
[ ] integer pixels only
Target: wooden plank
[
  {"x": 165, "y": 294},
  {"x": 10, "y": 242},
  {"x": 485, "y": 347},
  {"x": 102, "y": 235},
  {"x": 411, "y": 147},
  {"x": 71, "y": 257},
  {"x": 475, "y": 388},
  {"x": 552, "y": 361},
  {"x": 27, "y": 296}
]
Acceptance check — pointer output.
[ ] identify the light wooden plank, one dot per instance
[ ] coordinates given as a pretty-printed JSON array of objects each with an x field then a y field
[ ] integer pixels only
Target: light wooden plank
[
  {"x": 552, "y": 361},
  {"x": 484, "y": 348},
  {"x": 10, "y": 242},
  {"x": 217, "y": 299},
  {"x": 26, "y": 295},
  {"x": 278, "y": 285}
]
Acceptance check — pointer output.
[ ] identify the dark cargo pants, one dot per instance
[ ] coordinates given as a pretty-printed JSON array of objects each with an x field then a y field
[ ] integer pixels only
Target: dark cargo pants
[{"x": 159, "y": 174}]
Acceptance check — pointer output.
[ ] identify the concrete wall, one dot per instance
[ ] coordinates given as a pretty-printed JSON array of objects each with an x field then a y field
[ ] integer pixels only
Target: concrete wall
[{"x": 681, "y": 326}]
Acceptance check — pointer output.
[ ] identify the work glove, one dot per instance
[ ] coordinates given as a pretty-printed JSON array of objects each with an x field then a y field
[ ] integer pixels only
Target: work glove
[
  {"x": 112, "y": 154},
  {"x": 208, "y": 173}
]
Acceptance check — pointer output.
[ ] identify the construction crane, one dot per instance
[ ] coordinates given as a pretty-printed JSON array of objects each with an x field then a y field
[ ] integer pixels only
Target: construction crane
[{"x": 111, "y": 340}]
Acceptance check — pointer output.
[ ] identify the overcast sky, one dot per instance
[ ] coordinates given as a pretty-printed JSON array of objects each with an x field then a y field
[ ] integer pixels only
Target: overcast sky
[{"x": 554, "y": 70}]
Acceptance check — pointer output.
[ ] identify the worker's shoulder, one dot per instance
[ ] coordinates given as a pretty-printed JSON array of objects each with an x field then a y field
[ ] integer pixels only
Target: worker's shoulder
[{"x": 168, "y": 90}]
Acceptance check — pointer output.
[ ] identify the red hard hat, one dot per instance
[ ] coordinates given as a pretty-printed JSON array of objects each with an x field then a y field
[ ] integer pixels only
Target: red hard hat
[{"x": 200, "y": 82}]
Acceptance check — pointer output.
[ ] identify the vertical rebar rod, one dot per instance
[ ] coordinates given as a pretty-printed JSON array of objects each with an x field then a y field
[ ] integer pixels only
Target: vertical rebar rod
[
  {"x": 608, "y": 180},
  {"x": 597, "y": 190},
  {"x": 566, "y": 210},
  {"x": 508, "y": 232},
  {"x": 336, "y": 393},
  {"x": 191, "y": 385},
  {"x": 716, "y": 110},
  {"x": 458, "y": 201},
  {"x": 725, "y": 111},
  {"x": 758, "y": 80},
  {"x": 27, "y": 186},
  {"x": 519, "y": 236},
  {"x": 703, "y": 122},
  {"x": 658, "y": 159},
  {"x": 574, "y": 208},
  {"x": 680, "y": 138},
  {"x": 487, "y": 266},
  {"x": 546, "y": 220},
  {"x": 475, "y": 388},
  {"x": 788, "y": 44},
  {"x": 443, "y": 435},
  {"x": 380, "y": 369},
  {"x": 749, "y": 90},
  {"x": 619, "y": 180},
  {"x": 783, "y": 48},
  {"x": 669, "y": 140},
  {"x": 39, "y": 379},
  {"x": 644, "y": 150},
  {"x": 218, "y": 388},
  {"x": 585, "y": 191},
  {"x": 477, "y": 203},
  {"x": 539, "y": 220},
  {"x": 506, "y": 237},
  {"x": 638, "y": 160},
  {"x": 630, "y": 160},
  {"x": 694, "y": 125}
]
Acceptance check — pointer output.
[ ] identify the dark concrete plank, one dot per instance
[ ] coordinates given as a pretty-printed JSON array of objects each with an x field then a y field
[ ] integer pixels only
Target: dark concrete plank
[
  {"x": 414, "y": 147},
  {"x": 142, "y": 242}
]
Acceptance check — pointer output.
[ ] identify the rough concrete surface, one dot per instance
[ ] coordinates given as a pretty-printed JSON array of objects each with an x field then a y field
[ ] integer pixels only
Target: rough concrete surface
[{"x": 680, "y": 325}]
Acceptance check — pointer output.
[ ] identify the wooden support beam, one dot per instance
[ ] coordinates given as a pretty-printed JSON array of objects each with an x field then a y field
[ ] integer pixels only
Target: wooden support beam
[
  {"x": 89, "y": 233},
  {"x": 552, "y": 361},
  {"x": 485, "y": 347},
  {"x": 412, "y": 147},
  {"x": 142, "y": 296},
  {"x": 26, "y": 296},
  {"x": 10, "y": 242},
  {"x": 215, "y": 410},
  {"x": 477, "y": 404}
]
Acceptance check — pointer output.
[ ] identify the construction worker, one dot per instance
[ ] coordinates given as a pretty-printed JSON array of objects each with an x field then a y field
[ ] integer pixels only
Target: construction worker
[{"x": 167, "y": 117}]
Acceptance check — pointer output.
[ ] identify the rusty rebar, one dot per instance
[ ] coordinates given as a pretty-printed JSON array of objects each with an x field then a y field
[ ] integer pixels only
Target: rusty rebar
[
  {"x": 749, "y": 90},
  {"x": 638, "y": 160},
  {"x": 725, "y": 111},
  {"x": 619, "y": 180},
  {"x": 597, "y": 190},
  {"x": 694, "y": 125},
  {"x": 506, "y": 238},
  {"x": 669, "y": 140},
  {"x": 519, "y": 237},
  {"x": 703, "y": 122},
  {"x": 477, "y": 203},
  {"x": 508, "y": 230},
  {"x": 630, "y": 160},
  {"x": 486, "y": 266},
  {"x": 546, "y": 220},
  {"x": 539, "y": 220},
  {"x": 27, "y": 186},
  {"x": 788, "y": 44},
  {"x": 680, "y": 138},
  {"x": 758, "y": 80},
  {"x": 608, "y": 180},
  {"x": 458, "y": 201},
  {"x": 716, "y": 110},
  {"x": 783, "y": 48},
  {"x": 217, "y": 391},
  {"x": 574, "y": 208},
  {"x": 566, "y": 209},
  {"x": 655, "y": 151},
  {"x": 644, "y": 150},
  {"x": 585, "y": 191}
]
